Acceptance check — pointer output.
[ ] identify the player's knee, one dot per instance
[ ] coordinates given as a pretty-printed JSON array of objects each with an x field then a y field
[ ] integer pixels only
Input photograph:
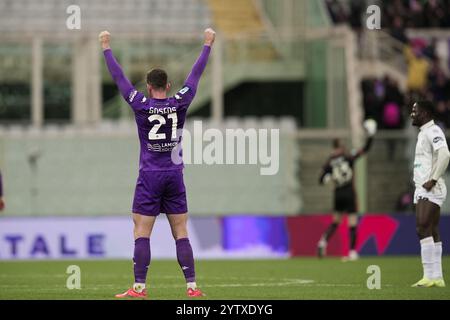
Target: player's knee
[
  {"x": 180, "y": 232},
  {"x": 141, "y": 231},
  {"x": 436, "y": 234},
  {"x": 352, "y": 221},
  {"x": 424, "y": 230},
  {"x": 178, "y": 224}
]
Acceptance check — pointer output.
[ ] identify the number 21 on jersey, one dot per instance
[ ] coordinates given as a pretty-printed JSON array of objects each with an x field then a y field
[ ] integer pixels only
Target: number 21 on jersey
[{"x": 161, "y": 121}]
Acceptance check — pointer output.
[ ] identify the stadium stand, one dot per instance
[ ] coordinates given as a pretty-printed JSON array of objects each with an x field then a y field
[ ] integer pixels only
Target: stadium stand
[
  {"x": 292, "y": 43},
  {"x": 142, "y": 16}
]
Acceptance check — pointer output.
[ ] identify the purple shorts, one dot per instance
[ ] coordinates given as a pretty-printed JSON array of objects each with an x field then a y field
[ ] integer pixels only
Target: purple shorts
[{"x": 160, "y": 191}]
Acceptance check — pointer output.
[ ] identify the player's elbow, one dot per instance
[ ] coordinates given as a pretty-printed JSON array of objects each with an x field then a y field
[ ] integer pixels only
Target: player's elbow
[
  {"x": 447, "y": 158},
  {"x": 445, "y": 155},
  {"x": 117, "y": 76}
]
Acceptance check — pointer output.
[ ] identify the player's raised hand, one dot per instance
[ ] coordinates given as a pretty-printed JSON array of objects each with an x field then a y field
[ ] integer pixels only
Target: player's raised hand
[
  {"x": 105, "y": 38},
  {"x": 210, "y": 36},
  {"x": 371, "y": 127}
]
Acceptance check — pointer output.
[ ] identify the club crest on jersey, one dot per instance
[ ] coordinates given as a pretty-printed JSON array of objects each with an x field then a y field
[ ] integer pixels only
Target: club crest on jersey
[
  {"x": 437, "y": 139},
  {"x": 132, "y": 95}
]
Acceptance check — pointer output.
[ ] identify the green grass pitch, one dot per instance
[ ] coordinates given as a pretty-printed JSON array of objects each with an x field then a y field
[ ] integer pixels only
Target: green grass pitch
[{"x": 293, "y": 279}]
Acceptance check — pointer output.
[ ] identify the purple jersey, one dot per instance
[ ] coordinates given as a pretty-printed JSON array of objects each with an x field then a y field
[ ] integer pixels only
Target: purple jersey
[{"x": 158, "y": 120}]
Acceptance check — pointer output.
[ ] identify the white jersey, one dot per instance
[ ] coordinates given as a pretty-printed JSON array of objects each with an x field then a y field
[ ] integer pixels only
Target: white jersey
[{"x": 431, "y": 138}]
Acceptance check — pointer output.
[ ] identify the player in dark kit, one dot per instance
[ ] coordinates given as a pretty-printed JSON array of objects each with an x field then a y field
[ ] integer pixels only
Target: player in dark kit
[
  {"x": 339, "y": 169},
  {"x": 160, "y": 186}
]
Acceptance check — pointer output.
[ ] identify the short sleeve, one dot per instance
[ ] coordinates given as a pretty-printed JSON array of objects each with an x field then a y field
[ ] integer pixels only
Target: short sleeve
[
  {"x": 185, "y": 96},
  {"x": 436, "y": 138}
]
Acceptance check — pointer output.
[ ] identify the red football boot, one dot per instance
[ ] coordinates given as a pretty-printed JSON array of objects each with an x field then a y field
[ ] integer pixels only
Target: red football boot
[
  {"x": 132, "y": 294},
  {"x": 195, "y": 293}
]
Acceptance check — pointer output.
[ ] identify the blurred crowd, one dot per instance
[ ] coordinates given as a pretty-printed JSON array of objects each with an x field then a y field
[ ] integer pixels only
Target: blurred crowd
[
  {"x": 427, "y": 78},
  {"x": 395, "y": 13},
  {"x": 427, "y": 66},
  {"x": 383, "y": 102}
]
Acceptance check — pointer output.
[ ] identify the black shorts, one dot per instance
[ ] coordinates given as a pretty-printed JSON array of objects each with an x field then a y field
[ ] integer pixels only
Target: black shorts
[{"x": 345, "y": 200}]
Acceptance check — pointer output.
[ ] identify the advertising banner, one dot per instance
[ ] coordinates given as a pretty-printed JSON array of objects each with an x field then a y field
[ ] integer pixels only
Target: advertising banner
[{"x": 377, "y": 234}]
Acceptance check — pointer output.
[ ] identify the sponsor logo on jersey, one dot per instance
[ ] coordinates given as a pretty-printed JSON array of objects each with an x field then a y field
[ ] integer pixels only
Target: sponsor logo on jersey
[
  {"x": 154, "y": 147},
  {"x": 144, "y": 99},
  {"x": 132, "y": 95},
  {"x": 437, "y": 139},
  {"x": 162, "y": 147}
]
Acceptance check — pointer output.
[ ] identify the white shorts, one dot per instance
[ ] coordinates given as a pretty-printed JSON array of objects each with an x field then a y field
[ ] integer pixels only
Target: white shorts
[{"x": 437, "y": 195}]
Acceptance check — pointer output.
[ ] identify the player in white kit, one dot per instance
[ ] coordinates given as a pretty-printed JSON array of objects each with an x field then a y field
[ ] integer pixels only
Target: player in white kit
[{"x": 431, "y": 160}]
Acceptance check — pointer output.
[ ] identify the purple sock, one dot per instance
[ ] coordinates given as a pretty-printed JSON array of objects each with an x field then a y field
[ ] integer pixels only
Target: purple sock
[
  {"x": 186, "y": 259},
  {"x": 141, "y": 259}
]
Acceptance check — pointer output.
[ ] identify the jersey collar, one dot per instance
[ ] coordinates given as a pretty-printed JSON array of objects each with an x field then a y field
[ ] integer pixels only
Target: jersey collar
[{"x": 427, "y": 125}]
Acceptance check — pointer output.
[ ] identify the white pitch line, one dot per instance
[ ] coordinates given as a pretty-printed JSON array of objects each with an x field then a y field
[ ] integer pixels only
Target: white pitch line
[{"x": 265, "y": 284}]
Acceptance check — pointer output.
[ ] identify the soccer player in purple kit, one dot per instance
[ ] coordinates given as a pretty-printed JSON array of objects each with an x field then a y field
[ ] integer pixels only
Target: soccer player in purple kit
[{"x": 160, "y": 186}]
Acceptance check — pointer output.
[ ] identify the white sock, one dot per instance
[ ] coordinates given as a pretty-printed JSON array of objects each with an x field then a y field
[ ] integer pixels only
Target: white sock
[
  {"x": 191, "y": 285},
  {"x": 139, "y": 287},
  {"x": 427, "y": 249},
  {"x": 437, "y": 258},
  {"x": 322, "y": 243}
]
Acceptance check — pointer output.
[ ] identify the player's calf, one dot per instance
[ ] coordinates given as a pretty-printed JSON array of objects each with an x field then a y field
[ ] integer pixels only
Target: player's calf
[{"x": 322, "y": 248}]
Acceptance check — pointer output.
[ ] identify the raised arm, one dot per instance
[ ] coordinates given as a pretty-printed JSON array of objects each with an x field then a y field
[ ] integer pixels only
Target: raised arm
[
  {"x": 200, "y": 65},
  {"x": 364, "y": 149},
  {"x": 122, "y": 82},
  {"x": 371, "y": 129}
]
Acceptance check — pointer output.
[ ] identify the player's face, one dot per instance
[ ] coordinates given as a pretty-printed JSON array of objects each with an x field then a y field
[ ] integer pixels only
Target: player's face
[
  {"x": 416, "y": 115},
  {"x": 342, "y": 150},
  {"x": 339, "y": 147}
]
